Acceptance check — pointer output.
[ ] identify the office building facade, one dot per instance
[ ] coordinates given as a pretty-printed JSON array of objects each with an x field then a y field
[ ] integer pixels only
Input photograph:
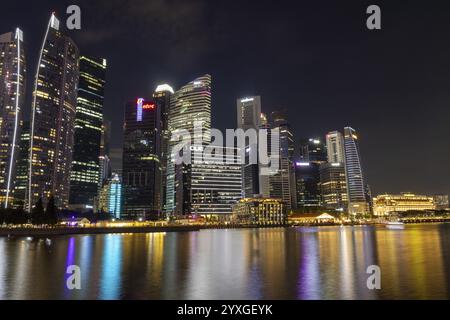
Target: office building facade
[
  {"x": 141, "y": 160},
  {"x": 357, "y": 202},
  {"x": 189, "y": 104},
  {"x": 333, "y": 186},
  {"x": 12, "y": 96},
  {"x": 85, "y": 172},
  {"x": 53, "y": 118},
  {"x": 307, "y": 184},
  {"x": 162, "y": 96}
]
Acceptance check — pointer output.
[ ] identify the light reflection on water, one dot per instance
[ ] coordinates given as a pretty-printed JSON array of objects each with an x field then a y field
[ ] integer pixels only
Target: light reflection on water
[{"x": 292, "y": 263}]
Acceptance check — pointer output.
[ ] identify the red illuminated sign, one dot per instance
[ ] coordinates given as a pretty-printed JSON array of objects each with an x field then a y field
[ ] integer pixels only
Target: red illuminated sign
[{"x": 148, "y": 106}]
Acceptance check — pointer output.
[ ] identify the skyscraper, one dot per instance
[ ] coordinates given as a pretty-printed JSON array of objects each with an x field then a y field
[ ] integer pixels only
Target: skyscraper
[
  {"x": 282, "y": 183},
  {"x": 357, "y": 204},
  {"x": 110, "y": 197},
  {"x": 249, "y": 113},
  {"x": 216, "y": 182},
  {"x": 53, "y": 117},
  {"x": 141, "y": 166},
  {"x": 307, "y": 180},
  {"x": 21, "y": 184},
  {"x": 313, "y": 150},
  {"x": 333, "y": 186},
  {"x": 12, "y": 89},
  {"x": 191, "y": 103},
  {"x": 104, "y": 158},
  {"x": 162, "y": 97},
  {"x": 88, "y": 133},
  {"x": 335, "y": 147},
  {"x": 249, "y": 117}
]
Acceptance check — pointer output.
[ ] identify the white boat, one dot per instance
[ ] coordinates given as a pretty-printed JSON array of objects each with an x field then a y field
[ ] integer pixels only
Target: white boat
[{"x": 395, "y": 225}]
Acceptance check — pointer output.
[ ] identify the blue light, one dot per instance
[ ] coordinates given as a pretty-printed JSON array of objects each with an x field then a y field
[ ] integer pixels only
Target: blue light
[{"x": 140, "y": 103}]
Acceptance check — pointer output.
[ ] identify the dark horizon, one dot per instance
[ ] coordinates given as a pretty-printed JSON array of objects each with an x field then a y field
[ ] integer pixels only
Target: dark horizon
[{"x": 318, "y": 61}]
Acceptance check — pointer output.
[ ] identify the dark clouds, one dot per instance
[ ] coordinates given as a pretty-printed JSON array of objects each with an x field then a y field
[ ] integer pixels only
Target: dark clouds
[{"x": 314, "y": 58}]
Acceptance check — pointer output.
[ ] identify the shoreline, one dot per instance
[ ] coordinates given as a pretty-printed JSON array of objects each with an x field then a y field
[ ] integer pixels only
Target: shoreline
[
  {"x": 63, "y": 231},
  {"x": 44, "y": 232}
]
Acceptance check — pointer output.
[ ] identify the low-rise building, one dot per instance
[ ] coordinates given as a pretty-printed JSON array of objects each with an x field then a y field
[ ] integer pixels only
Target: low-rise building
[
  {"x": 441, "y": 201},
  {"x": 385, "y": 204},
  {"x": 315, "y": 218},
  {"x": 261, "y": 211}
]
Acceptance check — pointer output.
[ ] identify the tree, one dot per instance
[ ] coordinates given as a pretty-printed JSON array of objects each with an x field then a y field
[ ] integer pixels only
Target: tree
[
  {"x": 51, "y": 213},
  {"x": 37, "y": 213}
]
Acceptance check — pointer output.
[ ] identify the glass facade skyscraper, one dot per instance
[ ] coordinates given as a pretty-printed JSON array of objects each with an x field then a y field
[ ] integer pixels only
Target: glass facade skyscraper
[
  {"x": 12, "y": 96},
  {"x": 162, "y": 97},
  {"x": 21, "y": 185},
  {"x": 249, "y": 116},
  {"x": 53, "y": 118},
  {"x": 357, "y": 202},
  {"x": 190, "y": 104},
  {"x": 141, "y": 161},
  {"x": 313, "y": 150},
  {"x": 85, "y": 172}
]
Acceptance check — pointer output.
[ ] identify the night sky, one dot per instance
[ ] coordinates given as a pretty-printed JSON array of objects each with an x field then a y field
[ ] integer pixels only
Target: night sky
[{"x": 316, "y": 59}]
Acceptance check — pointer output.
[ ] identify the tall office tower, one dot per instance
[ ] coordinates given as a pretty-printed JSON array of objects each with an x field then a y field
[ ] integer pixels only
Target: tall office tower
[
  {"x": 307, "y": 179},
  {"x": 21, "y": 185},
  {"x": 53, "y": 118},
  {"x": 313, "y": 150},
  {"x": 104, "y": 159},
  {"x": 216, "y": 183},
  {"x": 249, "y": 113},
  {"x": 333, "y": 186},
  {"x": 189, "y": 104},
  {"x": 249, "y": 116},
  {"x": 282, "y": 184},
  {"x": 12, "y": 95},
  {"x": 141, "y": 168},
  {"x": 110, "y": 197},
  {"x": 357, "y": 203},
  {"x": 88, "y": 133},
  {"x": 162, "y": 97},
  {"x": 335, "y": 147}
]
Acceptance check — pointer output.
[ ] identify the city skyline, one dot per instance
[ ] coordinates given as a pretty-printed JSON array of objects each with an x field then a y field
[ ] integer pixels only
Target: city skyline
[{"x": 412, "y": 173}]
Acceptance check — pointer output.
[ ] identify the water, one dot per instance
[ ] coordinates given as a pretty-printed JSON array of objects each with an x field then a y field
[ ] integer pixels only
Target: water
[{"x": 282, "y": 263}]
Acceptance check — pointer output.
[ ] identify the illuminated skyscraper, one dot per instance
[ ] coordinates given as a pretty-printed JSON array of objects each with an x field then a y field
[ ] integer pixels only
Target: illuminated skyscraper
[
  {"x": 335, "y": 147},
  {"x": 21, "y": 185},
  {"x": 141, "y": 160},
  {"x": 313, "y": 150},
  {"x": 307, "y": 180},
  {"x": 333, "y": 186},
  {"x": 53, "y": 118},
  {"x": 282, "y": 184},
  {"x": 249, "y": 113},
  {"x": 85, "y": 172},
  {"x": 357, "y": 203},
  {"x": 162, "y": 97},
  {"x": 249, "y": 117},
  {"x": 191, "y": 103},
  {"x": 216, "y": 183},
  {"x": 12, "y": 89},
  {"x": 104, "y": 159},
  {"x": 110, "y": 197}
]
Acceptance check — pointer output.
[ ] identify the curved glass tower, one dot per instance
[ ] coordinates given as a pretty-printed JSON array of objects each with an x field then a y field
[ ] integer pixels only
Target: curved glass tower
[
  {"x": 53, "y": 117},
  {"x": 192, "y": 103},
  {"x": 12, "y": 87}
]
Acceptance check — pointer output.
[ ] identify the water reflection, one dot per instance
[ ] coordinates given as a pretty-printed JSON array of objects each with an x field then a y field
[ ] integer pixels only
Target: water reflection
[{"x": 293, "y": 263}]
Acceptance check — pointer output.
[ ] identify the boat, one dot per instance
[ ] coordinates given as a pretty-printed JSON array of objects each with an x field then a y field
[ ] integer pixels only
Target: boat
[
  {"x": 393, "y": 222},
  {"x": 395, "y": 225}
]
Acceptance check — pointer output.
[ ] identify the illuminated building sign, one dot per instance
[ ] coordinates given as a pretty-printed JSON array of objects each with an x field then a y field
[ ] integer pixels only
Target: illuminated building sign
[
  {"x": 140, "y": 104},
  {"x": 148, "y": 106}
]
